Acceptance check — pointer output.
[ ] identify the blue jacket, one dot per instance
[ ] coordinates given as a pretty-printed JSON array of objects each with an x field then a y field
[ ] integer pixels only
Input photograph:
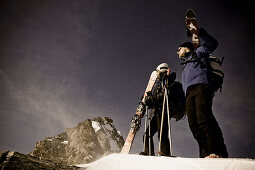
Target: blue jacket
[{"x": 195, "y": 69}]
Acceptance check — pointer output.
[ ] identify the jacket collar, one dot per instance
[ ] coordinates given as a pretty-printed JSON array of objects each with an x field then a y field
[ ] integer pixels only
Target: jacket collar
[{"x": 187, "y": 56}]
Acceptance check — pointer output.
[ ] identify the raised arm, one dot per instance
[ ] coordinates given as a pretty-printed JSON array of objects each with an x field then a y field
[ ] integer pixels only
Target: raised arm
[{"x": 210, "y": 43}]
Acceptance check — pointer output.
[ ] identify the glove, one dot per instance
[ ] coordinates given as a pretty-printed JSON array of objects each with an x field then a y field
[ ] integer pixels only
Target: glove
[
  {"x": 136, "y": 122},
  {"x": 148, "y": 99}
]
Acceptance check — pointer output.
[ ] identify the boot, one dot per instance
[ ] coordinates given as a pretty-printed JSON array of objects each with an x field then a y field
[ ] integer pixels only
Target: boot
[{"x": 212, "y": 155}]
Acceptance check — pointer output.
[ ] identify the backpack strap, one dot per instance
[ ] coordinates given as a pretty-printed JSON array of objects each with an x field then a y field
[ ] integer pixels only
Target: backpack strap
[
  {"x": 221, "y": 62},
  {"x": 197, "y": 59}
]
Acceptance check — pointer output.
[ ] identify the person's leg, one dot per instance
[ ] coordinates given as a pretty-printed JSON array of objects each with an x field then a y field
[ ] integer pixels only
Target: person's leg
[
  {"x": 165, "y": 145},
  {"x": 192, "y": 119},
  {"x": 207, "y": 123},
  {"x": 153, "y": 125}
]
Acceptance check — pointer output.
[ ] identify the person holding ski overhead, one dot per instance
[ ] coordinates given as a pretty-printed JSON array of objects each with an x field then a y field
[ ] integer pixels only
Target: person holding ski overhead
[
  {"x": 154, "y": 101},
  {"x": 198, "y": 88}
]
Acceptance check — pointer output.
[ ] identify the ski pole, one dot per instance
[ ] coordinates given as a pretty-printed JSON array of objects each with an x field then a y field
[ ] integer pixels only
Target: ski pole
[
  {"x": 146, "y": 120},
  {"x": 149, "y": 116},
  {"x": 161, "y": 126},
  {"x": 169, "y": 122}
]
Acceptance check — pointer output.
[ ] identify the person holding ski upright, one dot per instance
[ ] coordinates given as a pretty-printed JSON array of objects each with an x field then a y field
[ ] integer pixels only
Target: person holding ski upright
[
  {"x": 198, "y": 88},
  {"x": 154, "y": 101}
]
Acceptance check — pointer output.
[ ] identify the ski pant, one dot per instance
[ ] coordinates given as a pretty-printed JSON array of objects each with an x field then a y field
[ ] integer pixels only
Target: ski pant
[
  {"x": 202, "y": 122},
  {"x": 155, "y": 126}
]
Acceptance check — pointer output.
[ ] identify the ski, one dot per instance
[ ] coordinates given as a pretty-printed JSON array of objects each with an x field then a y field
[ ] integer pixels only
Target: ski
[
  {"x": 131, "y": 135},
  {"x": 192, "y": 26}
]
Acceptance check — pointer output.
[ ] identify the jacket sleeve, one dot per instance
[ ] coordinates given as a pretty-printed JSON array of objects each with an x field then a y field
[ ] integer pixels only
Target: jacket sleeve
[{"x": 210, "y": 43}]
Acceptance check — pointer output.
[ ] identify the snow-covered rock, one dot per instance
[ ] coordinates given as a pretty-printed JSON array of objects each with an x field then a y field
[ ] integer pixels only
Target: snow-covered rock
[{"x": 138, "y": 162}]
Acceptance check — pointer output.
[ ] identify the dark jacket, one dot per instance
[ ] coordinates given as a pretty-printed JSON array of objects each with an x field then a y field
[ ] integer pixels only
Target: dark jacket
[{"x": 176, "y": 98}]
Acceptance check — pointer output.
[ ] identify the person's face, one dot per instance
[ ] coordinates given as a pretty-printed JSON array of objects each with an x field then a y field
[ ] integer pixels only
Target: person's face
[{"x": 181, "y": 51}]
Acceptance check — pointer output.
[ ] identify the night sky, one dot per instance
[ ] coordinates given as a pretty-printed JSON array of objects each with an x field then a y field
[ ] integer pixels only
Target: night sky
[{"x": 63, "y": 61}]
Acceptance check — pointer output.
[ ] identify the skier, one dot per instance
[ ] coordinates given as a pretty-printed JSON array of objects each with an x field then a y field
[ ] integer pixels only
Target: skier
[
  {"x": 198, "y": 88},
  {"x": 155, "y": 102}
]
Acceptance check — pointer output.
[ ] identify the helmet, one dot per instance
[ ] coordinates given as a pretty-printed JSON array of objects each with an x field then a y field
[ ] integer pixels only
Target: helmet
[{"x": 162, "y": 67}]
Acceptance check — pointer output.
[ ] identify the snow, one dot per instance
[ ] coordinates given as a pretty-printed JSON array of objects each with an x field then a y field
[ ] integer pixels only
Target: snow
[
  {"x": 10, "y": 154},
  {"x": 65, "y": 142},
  {"x": 138, "y": 162},
  {"x": 96, "y": 126}
]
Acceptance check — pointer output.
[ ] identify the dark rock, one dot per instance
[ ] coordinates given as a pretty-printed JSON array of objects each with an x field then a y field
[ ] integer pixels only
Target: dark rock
[
  {"x": 83, "y": 146},
  {"x": 89, "y": 141},
  {"x": 52, "y": 148},
  {"x": 15, "y": 160}
]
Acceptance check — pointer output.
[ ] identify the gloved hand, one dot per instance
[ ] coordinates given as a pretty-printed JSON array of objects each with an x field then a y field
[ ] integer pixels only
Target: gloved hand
[{"x": 148, "y": 99}]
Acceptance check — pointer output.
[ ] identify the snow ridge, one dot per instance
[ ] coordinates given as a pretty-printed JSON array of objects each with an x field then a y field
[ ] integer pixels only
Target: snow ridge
[{"x": 138, "y": 162}]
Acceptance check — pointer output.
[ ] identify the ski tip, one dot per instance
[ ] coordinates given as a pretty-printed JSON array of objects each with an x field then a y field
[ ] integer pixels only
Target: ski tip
[{"x": 190, "y": 13}]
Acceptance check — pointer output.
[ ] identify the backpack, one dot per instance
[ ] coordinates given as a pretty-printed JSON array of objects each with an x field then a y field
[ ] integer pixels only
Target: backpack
[
  {"x": 214, "y": 66},
  {"x": 217, "y": 73},
  {"x": 177, "y": 100}
]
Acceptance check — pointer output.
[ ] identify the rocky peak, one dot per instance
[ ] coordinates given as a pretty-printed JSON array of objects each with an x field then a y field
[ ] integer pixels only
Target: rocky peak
[{"x": 89, "y": 141}]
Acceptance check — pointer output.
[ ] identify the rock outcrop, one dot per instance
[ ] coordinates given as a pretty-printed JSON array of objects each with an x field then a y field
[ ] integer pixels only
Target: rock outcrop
[
  {"x": 89, "y": 141},
  {"x": 15, "y": 160}
]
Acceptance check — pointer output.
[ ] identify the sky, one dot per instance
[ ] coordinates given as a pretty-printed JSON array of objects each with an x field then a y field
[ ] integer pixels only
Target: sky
[{"x": 62, "y": 62}]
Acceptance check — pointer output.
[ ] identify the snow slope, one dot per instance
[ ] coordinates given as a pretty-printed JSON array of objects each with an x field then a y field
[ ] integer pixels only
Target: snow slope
[{"x": 138, "y": 162}]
